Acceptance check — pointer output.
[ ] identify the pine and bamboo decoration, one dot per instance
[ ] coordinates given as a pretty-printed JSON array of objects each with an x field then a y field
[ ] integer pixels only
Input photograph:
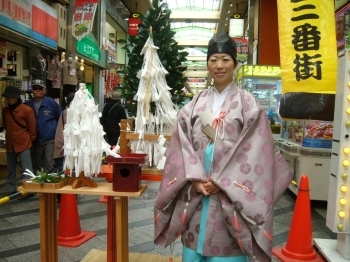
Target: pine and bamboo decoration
[{"x": 170, "y": 55}]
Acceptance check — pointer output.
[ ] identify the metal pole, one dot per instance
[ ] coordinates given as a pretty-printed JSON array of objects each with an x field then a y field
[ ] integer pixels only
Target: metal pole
[{"x": 251, "y": 12}]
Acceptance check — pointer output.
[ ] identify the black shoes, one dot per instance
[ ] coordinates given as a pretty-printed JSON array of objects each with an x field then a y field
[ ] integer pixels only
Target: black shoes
[{"x": 26, "y": 196}]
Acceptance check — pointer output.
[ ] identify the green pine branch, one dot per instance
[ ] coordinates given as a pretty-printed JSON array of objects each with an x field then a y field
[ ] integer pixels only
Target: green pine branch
[{"x": 169, "y": 53}]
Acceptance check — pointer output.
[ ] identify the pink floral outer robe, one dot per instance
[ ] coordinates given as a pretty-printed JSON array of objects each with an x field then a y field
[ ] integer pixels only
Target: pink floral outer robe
[{"x": 248, "y": 168}]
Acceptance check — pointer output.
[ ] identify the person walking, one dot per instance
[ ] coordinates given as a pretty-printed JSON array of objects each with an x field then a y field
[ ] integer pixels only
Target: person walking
[
  {"x": 47, "y": 112},
  {"x": 223, "y": 174},
  {"x": 20, "y": 126},
  {"x": 112, "y": 114}
]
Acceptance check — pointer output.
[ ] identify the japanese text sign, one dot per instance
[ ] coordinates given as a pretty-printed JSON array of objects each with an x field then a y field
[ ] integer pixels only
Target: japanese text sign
[
  {"x": 307, "y": 46},
  {"x": 133, "y": 24},
  {"x": 242, "y": 49},
  {"x": 83, "y": 17}
]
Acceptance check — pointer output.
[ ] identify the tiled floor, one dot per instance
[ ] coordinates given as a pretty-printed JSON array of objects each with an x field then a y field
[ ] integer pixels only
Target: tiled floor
[{"x": 19, "y": 226}]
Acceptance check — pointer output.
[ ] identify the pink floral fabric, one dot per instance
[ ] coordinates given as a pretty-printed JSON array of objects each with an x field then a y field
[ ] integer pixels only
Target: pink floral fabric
[{"x": 248, "y": 168}]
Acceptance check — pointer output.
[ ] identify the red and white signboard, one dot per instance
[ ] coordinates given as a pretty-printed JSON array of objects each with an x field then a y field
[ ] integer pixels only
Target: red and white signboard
[
  {"x": 83, "y": 17},
  {"x": 133, "y": 24}
]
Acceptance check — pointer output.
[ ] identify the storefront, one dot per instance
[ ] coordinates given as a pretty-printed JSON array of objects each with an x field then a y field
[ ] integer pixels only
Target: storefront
[
  {"x": 26, "y": 44},
  {"x": 116, "y": 56}
]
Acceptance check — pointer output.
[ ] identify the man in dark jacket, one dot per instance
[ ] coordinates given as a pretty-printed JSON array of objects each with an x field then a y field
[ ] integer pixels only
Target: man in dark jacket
[
  {"x": 47, "y": 112},
  {"x": 112, "y": 113},
  {"x": 19, "y": 123}
]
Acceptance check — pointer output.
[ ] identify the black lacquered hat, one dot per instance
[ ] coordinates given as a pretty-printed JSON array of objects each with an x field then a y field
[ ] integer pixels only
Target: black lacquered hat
[{"x": 222, "y": 43}]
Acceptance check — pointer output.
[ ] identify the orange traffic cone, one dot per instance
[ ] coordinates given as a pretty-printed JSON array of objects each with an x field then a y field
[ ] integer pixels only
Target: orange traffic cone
[
  {"x": 299, "y": 246},
  {"x": 69, "y": 230},
  {"x": 103, "y": 199}
]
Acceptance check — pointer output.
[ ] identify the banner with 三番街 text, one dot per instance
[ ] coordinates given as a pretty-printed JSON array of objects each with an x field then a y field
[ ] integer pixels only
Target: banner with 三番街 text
[
  {"x": 307, "y": 46},
  {"x": 83, "y": 17}
]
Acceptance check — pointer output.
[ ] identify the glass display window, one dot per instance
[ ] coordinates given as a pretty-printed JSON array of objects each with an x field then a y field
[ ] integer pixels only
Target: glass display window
[
  {"x": 264, "y": 82},
  {"x": 308, "y": 133}
]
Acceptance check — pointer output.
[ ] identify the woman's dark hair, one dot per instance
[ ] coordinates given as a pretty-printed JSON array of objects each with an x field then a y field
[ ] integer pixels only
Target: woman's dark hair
[{"x": 70, "y": 97}]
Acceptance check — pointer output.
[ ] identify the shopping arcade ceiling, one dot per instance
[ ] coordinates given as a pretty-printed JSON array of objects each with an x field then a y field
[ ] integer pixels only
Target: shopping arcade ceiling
[{"x": 195, "y": 22}]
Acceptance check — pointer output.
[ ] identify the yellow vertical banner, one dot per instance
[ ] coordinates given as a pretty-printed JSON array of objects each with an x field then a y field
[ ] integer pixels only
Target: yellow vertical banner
[{"x": 308, "y": 49}]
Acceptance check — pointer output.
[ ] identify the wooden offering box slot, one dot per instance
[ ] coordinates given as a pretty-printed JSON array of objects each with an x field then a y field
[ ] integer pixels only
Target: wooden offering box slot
[{"x": 127, "y": 171}]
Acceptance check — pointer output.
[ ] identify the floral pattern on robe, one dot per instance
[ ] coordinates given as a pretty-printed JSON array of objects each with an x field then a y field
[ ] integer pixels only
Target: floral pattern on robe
[{"x": 249, "y": 170}]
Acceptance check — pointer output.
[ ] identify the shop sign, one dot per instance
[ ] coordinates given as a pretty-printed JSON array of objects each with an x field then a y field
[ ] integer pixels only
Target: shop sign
[
  {"x": 19, "y": 16},
  {"x": 242, "y": 49},
  {"x": 112, "y": 52},
  {"x": 111, "y": 79},
  {"x": 264, "y": 103},
  {"x": 83, "y": 17},
  {"x": 307, "y": 46},
  {"x": 342, "y": 31},
  {"x": 88, "y": 47},
  {"x": 2, "y": 48},
  {"x": 19, "y": 11},
  {"x": 133, "y": 24}
]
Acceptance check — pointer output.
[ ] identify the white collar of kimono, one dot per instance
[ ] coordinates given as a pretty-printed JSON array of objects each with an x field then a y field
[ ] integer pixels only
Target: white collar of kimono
[{"x": 219, "y": 99}]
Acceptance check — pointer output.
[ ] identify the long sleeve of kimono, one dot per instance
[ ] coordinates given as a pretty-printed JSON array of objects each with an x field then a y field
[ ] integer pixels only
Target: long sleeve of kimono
[{"x": 182, "y": 165}]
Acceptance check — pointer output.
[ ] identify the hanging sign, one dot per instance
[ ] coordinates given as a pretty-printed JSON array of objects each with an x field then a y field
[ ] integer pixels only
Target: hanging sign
[
  {"x": 2, "y": 48},
  {"x": 242, "y": 49},
  {"x": 83, "y": 17},
  {"x": 133, "y": 24},
  {"x": 341, "y": 16},
  {"x": 307, "y": 46},
  {"x": 112, "y": 52},
  {"x": 88, "y": 47},
  {"x": 112, "y": 79}
]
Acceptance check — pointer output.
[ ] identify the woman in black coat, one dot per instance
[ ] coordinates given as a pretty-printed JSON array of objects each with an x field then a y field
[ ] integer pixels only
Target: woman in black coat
[{"x": 112, "y": 114}]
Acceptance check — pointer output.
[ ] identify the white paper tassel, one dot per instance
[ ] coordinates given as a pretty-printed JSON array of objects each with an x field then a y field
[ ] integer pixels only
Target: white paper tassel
[{"x": 83, "y": 135}]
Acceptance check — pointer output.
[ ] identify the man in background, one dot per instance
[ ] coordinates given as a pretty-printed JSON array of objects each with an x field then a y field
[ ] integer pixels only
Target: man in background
[
  {"x": 47, "y": 112},
  {"x": 59, "y": 138}
]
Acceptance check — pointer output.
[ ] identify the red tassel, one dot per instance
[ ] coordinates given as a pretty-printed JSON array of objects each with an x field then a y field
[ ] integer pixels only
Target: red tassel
[
  {"x": 171, "y": 259},
  {"x": 156, "y": 218}
]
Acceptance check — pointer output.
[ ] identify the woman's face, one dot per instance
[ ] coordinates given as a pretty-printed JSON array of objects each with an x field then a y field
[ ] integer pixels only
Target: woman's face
[
  {"x": 11, "y": 100},
  {"x": 221, "y": 66}
]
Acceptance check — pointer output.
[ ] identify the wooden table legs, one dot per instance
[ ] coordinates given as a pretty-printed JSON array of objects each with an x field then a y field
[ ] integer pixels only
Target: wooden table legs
[
  {"x": 48, "y": 227},
  {"x": 118, "y": 229}
]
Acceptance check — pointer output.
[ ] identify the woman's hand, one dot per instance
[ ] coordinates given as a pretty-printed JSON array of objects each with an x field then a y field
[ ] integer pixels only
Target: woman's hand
[
  {"x": 199, "y": 187},
  {"x": 211, "y": 188}
]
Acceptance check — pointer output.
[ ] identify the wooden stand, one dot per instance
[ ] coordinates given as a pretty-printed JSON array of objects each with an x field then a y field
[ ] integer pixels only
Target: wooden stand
[
  {"x": 117, "y": 219},
  {"x": 82, "y": 181},
  {"x": 147, "y": 173}
]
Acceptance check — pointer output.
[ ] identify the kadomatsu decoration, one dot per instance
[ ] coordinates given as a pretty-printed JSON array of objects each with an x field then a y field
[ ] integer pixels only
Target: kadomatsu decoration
[{"x": 170, "y": 55}]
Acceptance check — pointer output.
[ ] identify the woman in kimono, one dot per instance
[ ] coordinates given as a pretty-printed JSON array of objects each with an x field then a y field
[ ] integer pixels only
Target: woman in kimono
[{"x": 222, "y": 175}]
